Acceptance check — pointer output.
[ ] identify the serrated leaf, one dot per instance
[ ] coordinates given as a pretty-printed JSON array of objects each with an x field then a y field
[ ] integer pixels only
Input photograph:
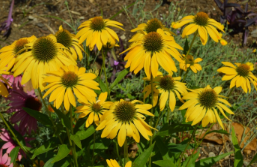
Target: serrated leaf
[
  {"x": 64, "y": 118},
  {"x": 211, "y": 160},
  {"x": 83, "y": 134},
  {"x": 62, "y": 153},
  {"x": 120, "y": 76},
  {"x": 44, "y": 119},
  {"x": 14, "y": 153},
  {"x": 141, "y": 160},
  {"x": 76, "y": 140},
  {"x": 238, "y": 156},
  {"x": 164, "y": 163}
]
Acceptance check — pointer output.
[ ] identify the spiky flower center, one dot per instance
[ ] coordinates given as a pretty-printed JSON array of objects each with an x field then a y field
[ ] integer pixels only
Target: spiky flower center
[
  {"x": 70, "y": 79},
  {"x": 44, "y": 49},
  {"x": 153, "y": 42},
  {"x": 189, "y": 60},
  {"x": 64, "y": 37},
  {"x": 153, "y": 25},
  {"x": 96, "y": 108},
  {"x": 20, "y": 45},
  {"x": 97, "y": 23},
  {"x": 201, "y": 19},
  {"x": 125, "y": 111},
  {"x": 2, "y": 165},
  {"x": 243, "y": 70},
  {"x": 167, "y": 83},
  {"x": 208, "y": 98},
  {"x": 33, "y": 103}
]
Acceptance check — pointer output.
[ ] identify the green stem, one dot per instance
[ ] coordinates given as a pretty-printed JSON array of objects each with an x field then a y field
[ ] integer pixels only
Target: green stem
[
  {"x": 151, "y": 138},
  {"x": 191, "y": 44},
  {"x": 185, "y": 76},
  {"x": 117, "y": 150},
  {"x": 93, "y": 150},
  {"x": 73, "y": 144},
  {"x": 67, "y": 5},
  {"x": 144, "y": 93},
  {"x": 49, "y": 115},
  {"x": 198, "y": 144},
  {"x": 106, "y": 81},
  {"x": 182, "y": 154},
  {"x": 15, "y": 137},
  {"x": 168, "y": 115},
  {"x": 125, "y": 152},
  {"x": 231, "y": 90}
]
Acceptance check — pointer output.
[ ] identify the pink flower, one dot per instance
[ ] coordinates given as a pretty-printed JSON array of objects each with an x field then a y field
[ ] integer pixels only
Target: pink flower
[
  {"x": 13, "y": 81},
  {"x": 19, "y": 99},
  {"x": 10, "y": 144},
  {"x": 5, "y": 160}
]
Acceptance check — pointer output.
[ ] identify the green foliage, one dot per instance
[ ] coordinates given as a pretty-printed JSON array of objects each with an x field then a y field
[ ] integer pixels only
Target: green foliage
[
  {"x": 14, "y": 153},
  {"x": 238, "y": 156}
]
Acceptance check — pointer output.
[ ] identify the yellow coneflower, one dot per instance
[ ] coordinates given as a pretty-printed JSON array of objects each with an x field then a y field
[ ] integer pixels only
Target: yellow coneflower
[
  {"x": 44, "y": 54},
  {"x": 126, "y": 117},
  {"x": 70, "y": 42},
  {"x": 240, "y": 74},
  {"x": 188, "y": 61},
  {"x": 201, "y": 23},
  {"x": 94, "y": 109},
  {"x": 114, "y": 163},
  {"x": 3, "y": 90},
  {"x": 152, "y": 50},
  {"x": 169, "y": 87},
  {"x": 8, "y": 54},
  {"x": 67, "y": 81},
  {"x": 202, "y": 104},
  {"x": 96, "y": 32},
  {"x": 151, "y": 26}
]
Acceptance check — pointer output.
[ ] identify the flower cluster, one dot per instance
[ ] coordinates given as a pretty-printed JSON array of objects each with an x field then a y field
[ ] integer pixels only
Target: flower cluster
[{"x": 65, "y": 88}]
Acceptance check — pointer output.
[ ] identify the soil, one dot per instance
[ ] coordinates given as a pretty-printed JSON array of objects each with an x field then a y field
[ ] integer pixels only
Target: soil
[{"x": 38, "y": 17}]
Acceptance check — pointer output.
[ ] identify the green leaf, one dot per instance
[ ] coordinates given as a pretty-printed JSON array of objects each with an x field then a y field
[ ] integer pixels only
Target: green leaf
[
  {"x": 99, "y": 146},
  {"x": 76, "y": 140},
  {"x": 14, "y": 153},
  {"x": 168, "y": 130},
  {"x": 186, "y": 47},
  {"x": 238, "y": 156},
  {"x": 120, "y": 76},
  {"x": 44, "y": 119},
  {"x": 253, "y": 160},
  {"x": 128, "y": 94},
  {"x": 178, "y": 148},
  {"x": 46, "y": 147},
  {"x": 102, "y": 85},
  {"x": 83, "y": 134},
  {"x": 62, "y": 153},
  {"x": 164, "y": 163},
  {"x": 65, "y": 120},
  {"x": 218, "y": 131},
  {"x": 141, "y": 160},
  {"x": 211, "y": 160},
  {"x": 79, "y": 123},
  {"x": 163, "y": 149},
  {"x": 190, "y": 161}
]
